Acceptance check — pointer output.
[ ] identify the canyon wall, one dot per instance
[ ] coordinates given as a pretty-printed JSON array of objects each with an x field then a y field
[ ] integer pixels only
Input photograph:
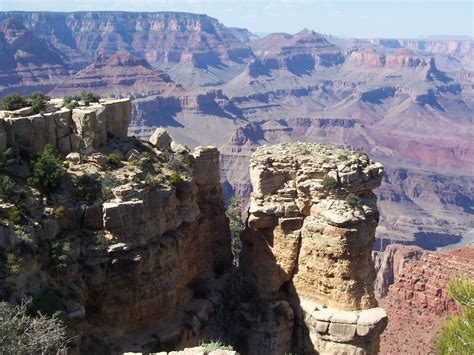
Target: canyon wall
[
  {"x": 311, "y": 227},
  {"x": 129, "y": 246}
]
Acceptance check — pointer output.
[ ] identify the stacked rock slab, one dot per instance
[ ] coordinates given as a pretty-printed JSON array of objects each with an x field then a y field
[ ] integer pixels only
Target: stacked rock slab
[
  {"x": 85, "y": 127},
  {"x": 311, "y": 227}
]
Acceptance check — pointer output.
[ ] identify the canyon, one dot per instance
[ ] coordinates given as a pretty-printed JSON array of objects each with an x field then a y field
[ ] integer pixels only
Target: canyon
[
  {"x": 406, "y": 103},
  {"x": 133, "y": 245}
]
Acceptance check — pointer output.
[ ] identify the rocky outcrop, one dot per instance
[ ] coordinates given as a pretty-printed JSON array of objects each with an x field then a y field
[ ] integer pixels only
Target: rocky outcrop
[
  {"x": 390, "y": 264},
  {"x": 311, "y": 228},
  {"x": 418, "y": 304},
  {"x": 130, "y": 245},
  {"x": 67, "y": 130}
]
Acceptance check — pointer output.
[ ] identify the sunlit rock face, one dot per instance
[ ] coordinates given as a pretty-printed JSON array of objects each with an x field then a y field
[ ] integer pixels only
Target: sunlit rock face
[{"x": 311, "y": 227}]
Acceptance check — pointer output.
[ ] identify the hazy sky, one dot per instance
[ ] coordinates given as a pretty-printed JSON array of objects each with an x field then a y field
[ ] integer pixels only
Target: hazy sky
[{"x": 349, "y": 18}]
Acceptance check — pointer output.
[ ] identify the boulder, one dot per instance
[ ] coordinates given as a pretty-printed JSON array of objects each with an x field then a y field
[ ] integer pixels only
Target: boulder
[{"x": 161, "y": 139}]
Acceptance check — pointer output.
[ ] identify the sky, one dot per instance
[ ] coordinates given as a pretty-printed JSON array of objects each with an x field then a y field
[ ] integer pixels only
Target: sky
[{"x": 345, "y": 18}]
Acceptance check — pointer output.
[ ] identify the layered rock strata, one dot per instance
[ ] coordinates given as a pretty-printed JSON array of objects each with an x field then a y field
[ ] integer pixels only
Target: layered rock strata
[
  {"x": 68, "y": 130},
  {"x": 128, "y": 246},
  {"x": 311, "y": 227}
]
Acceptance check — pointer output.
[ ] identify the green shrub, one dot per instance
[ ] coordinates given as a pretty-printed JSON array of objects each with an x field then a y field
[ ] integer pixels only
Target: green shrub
[
  {"x": 329, "y": 183},
  {"x": 59, "y": 253},
  {"x": 47, "y": 170},
  {"x": 107, "y": 184},
  {"x": 58, "y": 212},
  {"x": 154, "y": 181},
  {"x": 72, "y": 105},
  {"x": 14, "y": 263},
  {"x": 88, "y": 97},
  {"x": 22, "y": 334},
  {"x": 457, "y": 336},
  {"x": 38, "y": 101},
  {"x": 214, "y": 345},
  {"x": 9, "y": 154},
  {"x": 67, "y": 100},
  {"x": 7, "y": 187},
  {"x": 48, "y": 303},
  {"x": 88, "y": 188},
  {"x": 15, "y": 214},
  {"x": 14, "y": 102},
  {"x": 353, "y": 200},
  {"x": 175, "y": 179},
  {"x": 114, "y": 160}
]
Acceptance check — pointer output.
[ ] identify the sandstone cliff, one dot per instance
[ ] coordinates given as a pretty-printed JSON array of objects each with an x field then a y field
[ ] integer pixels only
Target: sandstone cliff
[
  {"x": 308, "y": 243},
  {"x": 128, "y": 247}
]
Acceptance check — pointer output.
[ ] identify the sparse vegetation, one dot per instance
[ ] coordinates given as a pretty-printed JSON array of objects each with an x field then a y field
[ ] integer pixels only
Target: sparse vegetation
[
  {"x": 155, "y": 181},
  {"x": 60, "y": 256},
  {"x": 58, "y": 212},
  {"x": 329, "y": 183},
  {"x": 23, "y": 334},
  {"x": 234, "y": 213},
  {"x": 15, "y": 214},
  {"x": 107, "y": 184},
  {"x": 14, "y": 263},
  {"x": 14, "y": 102},
  {"x": 38, "y": 101},
  {"x": 88, "y": 188},
  {"x": 353, "y": 200},
  {"x": 88, "y": 97},
  {"x": 175, "y": 179},
  {"x": 114, "y": 160},
  {"x": 457, "y": 336},
  {"x": 47, "y": 170},
  {"x": 7, "y": 187},
  {"x": 214, "y": 345}
]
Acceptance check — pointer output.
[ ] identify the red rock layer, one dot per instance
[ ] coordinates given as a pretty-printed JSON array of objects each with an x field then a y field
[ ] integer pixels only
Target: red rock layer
[{"x": 417, "y": 303}]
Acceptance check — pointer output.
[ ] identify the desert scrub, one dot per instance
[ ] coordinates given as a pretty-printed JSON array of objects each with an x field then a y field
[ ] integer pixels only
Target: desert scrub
[
  {"x": 47, "y": 170},
  {"x": 38, "y": 101},
  {"x": 16, "y": 214},
  {"x": 21, "y": 333},
  {"x": 88, "y": 188},
  {"x": 14, "y": 263},
  {"x": 214, "y": 345},
  {"x": 13, "y": 102},
  {"x": 114, "y": 160},
  {"x": 353, "y": 200},
  {"x": 7, "y": 187},
  {"x": 87, "y": 97},
  {"x": 175, "y": 179},
  {"x": 329, "y": 183},
  {"x": 60, "y": 258},
  {"x": 59, "y": 212},
  {"x": 155, "y": 181}
]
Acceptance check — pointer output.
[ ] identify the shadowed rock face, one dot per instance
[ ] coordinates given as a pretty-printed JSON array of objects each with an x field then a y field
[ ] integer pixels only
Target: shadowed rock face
[{"x": 309, "y": 236}]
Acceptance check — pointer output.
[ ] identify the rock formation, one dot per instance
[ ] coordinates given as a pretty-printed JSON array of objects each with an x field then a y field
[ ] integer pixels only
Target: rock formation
[
  {"x": 129, "y": 245},
  {"x": 311, "y": 227},
  {"x": 67, "y": 130},
  {"x": 417, "y": 302}
]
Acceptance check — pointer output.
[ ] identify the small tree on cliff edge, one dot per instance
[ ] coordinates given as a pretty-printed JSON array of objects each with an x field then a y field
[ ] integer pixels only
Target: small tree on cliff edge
[
  {"x": 234, "y": 213},
  {"x": 457, "y": 336}
]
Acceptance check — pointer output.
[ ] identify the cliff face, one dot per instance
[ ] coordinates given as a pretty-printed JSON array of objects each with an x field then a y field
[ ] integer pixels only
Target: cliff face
[
  {"x": 311, "y": 228},
  {"x": 417, "y": 302},
  {"x": 127, "y": 247}
]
